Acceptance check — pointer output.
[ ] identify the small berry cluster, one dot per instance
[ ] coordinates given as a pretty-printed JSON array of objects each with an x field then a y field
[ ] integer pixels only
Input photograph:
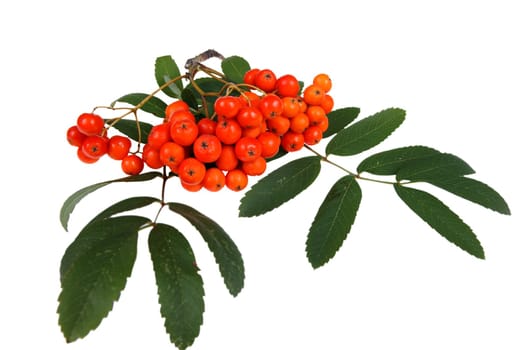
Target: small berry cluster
[
  {"x": 90, "y": 136},
  {"x": 249, "y": 125}
]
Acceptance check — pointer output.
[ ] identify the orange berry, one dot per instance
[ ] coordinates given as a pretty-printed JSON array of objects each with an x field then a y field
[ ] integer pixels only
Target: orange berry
[
  {"x": 291, "y": 107},
  {"x": 214, "y": 179},
  {"x": 236, "y": 180},
  {"x": 278, "y": 125},
  {"x": 327, "y": 103},
  {"x": 191, "y": 171},
  {"x": 299, "y": 123},
  {"x": 323, "y": 81},
  {"x": 315, "y": 114},
  {"x": 254, "y": 167},
  {"x": 313, "y": 95}
]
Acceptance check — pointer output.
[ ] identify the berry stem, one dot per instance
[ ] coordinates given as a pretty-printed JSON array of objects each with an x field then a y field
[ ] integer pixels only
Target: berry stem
[
  {"x": 356, "y": 176},
  {"x": 134, "y": 109},
  {"x": 165, "y": 178}
]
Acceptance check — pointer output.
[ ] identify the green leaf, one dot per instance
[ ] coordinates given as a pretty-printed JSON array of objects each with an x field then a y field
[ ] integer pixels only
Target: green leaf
[
  {"x": 436, "y": 167},
  {"x": 226, "y": 253},
  {"x": 474, "y": 191},
  {"x": 188, "y": 97},
  {"x": 166, "y": 70},
  {"x": 154, "y": 105},
  {"x": 75, "y": 198},
  {"x": 94, "y": 271},
  {"x": 180, "y": 286},
  {"x": 441, "y": 219},
  {"x": 129, "y": 128},
  {"x": 333, "y": 221},
  {"x": 234, "y": 68},
  {"x": 389, "y": 162},
  {"x": 339, "y": 119},
  {"x": 125, "y": 205},
  {"x": 280, "y": 186},
  {"x": 366, "y": 133}
]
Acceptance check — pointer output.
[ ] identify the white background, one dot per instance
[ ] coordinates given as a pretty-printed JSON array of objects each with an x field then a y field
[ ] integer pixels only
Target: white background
[{"x": 456, "y": 67}]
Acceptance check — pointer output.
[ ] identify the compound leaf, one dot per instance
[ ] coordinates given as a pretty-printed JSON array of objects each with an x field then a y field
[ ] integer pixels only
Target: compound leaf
[
  {"x": 153, "y": 105},
  {"x": 226, "y": 253},
  {"x": 389, "y": 162},
  {"x": 366, "y": 133},
  {"x": 166, "y": 70},
  {"x": 179, "y": 284},
  {"x": 75, "y": 198},
  {"x": 234, "y": 67},
  {"x": 280, "y": 186},
  {"x": 94, "y": 270},
  {"x": 441, "y": 218},
  {"x": 333, "y": 221},
  {"x": 436, "y": 167},
  {"x": 339, "y": 119},
  {"x": 474, "y": 191}
]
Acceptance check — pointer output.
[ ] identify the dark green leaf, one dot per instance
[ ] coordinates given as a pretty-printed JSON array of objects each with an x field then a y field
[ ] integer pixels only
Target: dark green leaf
[
  {"x": 125, "y": 205},
  {"x": 94, "y": 271},
  {"x": 75, "y": 198},
  {"x": 389, "y": 162},
  {"x": 226, "y": 253},
  {"x": 366, "y": 133},
  {"x": 153, "y": 105},
  {"x": 474, "y": 191},
  {"x": 180, "y": 286},
  {"x": 188, "y": 97},
  {"x": 280, "y": 186},
  {"x": 441, "y": 219},
  {"x": 165, "y": 71},
  {"x": 437, "y": 167},
  {"x": 129, "y": 128},
  {"x": 333, "y": 221},
  {"x": 339, "y": 119},
  {"x": 234, "y": 68}
]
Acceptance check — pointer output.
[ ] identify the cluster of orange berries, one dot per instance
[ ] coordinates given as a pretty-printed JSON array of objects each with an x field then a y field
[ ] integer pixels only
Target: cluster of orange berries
[
  {"x": 90, "y": 137},
  {"x": 248, "y": 126}
]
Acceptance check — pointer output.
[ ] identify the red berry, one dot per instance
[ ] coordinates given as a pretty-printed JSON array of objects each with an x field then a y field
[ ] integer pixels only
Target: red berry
[
  {"x": 118, "y": 147},
  {"x": 82, "y": 156},
  {"x": 90, "y": 124},
  {"x": 75, "y": 137},
  {"x": 292, "y": 141},
  {"x": 159, "y": 135},
  {"x": 95, "y": 146},
  {"x": 132, "y": 164},
  {"x": 248, "y": 148},
  {"x": 271, "y": 106},
  {"x": 287, "y": 86},
  {"x": 265, "y": 80},
  {"x": 249, "y": 76},
  {"x": 227, "y": 106},
  {"x": 249, "y": 117},
  {"x": 207, "y": 148}
]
